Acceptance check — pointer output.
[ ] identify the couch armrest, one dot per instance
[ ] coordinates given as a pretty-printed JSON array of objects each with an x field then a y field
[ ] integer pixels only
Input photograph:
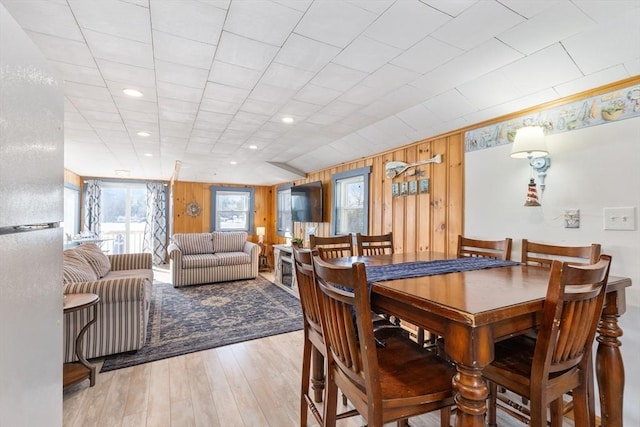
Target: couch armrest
[
  {"x": 139, "y": 261},
  {"x": 252, "y": 249},
  {"x": 111, "y": 290},
  {"x": 174, "y": 251}
]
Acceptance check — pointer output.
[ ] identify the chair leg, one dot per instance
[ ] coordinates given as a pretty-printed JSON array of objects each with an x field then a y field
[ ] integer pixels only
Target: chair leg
[
  {"x": 557, "y": 412},
  {"x": 304, "y": 388},
  {"x": 445, "y": 417},
  {"x": 491, "y": 407},
  {"x": 331, "y": 401},
  {"x": 538, "y": 412},
  {"x": 581, "y": 410}
]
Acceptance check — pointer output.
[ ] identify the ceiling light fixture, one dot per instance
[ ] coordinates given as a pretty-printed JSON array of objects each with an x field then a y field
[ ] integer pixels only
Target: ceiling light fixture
[
  {"x": 253, "y": 147},
  {"x": 233, "y": 162},
  {"x": 132, "y": 92},
  {"x": 287, "y": 120},
  {"x": 122, "y": 173},
  {"x": 148, "y": 155},
  {"x": 143, "y": 133}
]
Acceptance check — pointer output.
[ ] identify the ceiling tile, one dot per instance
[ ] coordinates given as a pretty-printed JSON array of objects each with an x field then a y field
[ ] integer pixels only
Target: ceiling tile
[
  {"x": 305, "y": 53},
  {"x": 215, "y": 106},
  {"x": 550, "y": 66},
  {"x": 117, "y": 49},
  {"x": 316, "y": 95},
  {"x": 450, "y": 105},
  {"x": 225, "y": 93},
  {"x": 608, "y": 11},
  {"x": 113, "y": 17},
  {"x": 268, "y": 93},
  {"x": 78, "y": 90},
  {"x": 119, "y": 72},
  {"x": 338, "y": 77},
  {"x": 450, "y": 7},
  {"x": 479, "y": 23},
  {"x": 181, "y": 74},
  {"x": 335, "y": 26},
  {"x": 46, "y": 18},
  {"x": 390, "y": 77},
  {"x": 189, "y": 19},
  {"x": 170, "y": 48},
  {"x": 286, "y": 77},
  {"x": 546, "y": 28},
  {"x": 183, "y": 93},
  {"x": 363, "y": 95},
  {"x": 482, "y": 59},
  {"x": 531, "y": 8},
  {"x": 366, "y": 54},
  {"x": 63, "y": 50},
  {"x": 78, "y": 73},
  {"x": 607, "y": 43},
  {"x": 245, "y": 52},
  {"x": 491, "y": 89},
  {"x": 263, "y": 20},
  {"x": 260, "y": 107},
  {"x": 597, "y": 79},
  {"x": 405, "y": 23},
  {"x": 426, "y": 55},
  {"x": 233, "y": 75}
]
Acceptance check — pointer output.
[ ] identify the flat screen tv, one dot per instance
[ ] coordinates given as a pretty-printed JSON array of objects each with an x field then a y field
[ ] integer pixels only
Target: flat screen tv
[{"x": 306, "y": 202}]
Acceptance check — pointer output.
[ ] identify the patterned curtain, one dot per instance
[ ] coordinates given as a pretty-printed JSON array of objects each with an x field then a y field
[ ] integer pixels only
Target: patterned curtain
[
  {"x": 155, "y": 229},
  {"x": 92, "y": 207}
]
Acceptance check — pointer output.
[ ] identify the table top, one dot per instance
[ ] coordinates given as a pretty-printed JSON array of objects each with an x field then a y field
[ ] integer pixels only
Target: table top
[
  {"x": 73, "y": 302},
  {"x": 472, "y": 297}
]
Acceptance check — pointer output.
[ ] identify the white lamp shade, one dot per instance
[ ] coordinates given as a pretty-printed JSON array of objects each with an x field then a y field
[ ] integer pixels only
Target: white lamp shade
[
  {"x": 260, "y": 231},
  {"x": 529, "y": 142}
]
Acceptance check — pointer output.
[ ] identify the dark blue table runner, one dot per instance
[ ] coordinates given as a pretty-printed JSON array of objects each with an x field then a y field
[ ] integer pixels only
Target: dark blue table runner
[{"x": 380, "y": 273}]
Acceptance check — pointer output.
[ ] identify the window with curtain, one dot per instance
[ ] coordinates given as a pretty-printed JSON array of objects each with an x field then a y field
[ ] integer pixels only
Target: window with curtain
[
  {"x": 351, "y": 201},
  {"x": 284, "y": 222},
  {"x": 232, "y": 209}
]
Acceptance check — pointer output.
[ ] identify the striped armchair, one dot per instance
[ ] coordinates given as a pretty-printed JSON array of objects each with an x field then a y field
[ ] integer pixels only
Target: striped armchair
[
  {"x": 198, "y": 258},
  {"x": 123, "y": 283}
]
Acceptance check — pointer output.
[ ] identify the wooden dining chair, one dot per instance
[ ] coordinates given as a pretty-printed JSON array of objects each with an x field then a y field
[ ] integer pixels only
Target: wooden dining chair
[
  {"x": 334, "y": 246},
  {"x": 313, "y": 338},
  {"x": 543, "y": 254},
  {"x": 558, "y": 360},
  {"x": 374, "y": 244},
  {"x": 391, "y": 380},
  {"x": 497, "y": 249}
]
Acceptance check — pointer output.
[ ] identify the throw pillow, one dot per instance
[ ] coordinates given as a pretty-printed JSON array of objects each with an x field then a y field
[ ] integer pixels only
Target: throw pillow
[
  {"x": 76, "y": 269},
  {"x": 229, "y": 241},
  {"x": 194, "y": 243},
  {"x": 95, "y": 257}
]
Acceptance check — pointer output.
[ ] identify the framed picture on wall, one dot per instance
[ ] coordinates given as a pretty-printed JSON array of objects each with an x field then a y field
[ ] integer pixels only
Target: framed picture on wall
[
  {"x": 404, "y": 188},
  {"x": 413, "y": 187},
  {"x": 395, "y": 189},
  {"x": 424, "y": 186}
]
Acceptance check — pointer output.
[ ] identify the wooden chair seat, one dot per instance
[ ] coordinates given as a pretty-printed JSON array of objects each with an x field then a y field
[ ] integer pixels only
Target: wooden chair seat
[{"x": 558, "y": 360}]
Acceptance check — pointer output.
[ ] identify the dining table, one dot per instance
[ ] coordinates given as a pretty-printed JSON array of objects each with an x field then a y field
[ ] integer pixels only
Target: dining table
[{"x": 474, "y": 309}]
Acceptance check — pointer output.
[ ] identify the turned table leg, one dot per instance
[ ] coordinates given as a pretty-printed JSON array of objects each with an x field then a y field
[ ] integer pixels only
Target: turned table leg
[
  {"x": 471, "y": 396},
  {"x": 317, "y": 374},
  {"x": 609, "y": 365}
]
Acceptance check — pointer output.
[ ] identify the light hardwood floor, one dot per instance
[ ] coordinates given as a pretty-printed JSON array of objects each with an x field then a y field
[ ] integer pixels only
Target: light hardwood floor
[{"x": 254, "y": 383}]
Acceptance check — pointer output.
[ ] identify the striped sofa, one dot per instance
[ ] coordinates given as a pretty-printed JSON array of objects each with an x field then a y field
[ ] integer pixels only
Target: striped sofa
[
  {"x": 220, "y": 256},
  {"x": 123, "y": 283}
]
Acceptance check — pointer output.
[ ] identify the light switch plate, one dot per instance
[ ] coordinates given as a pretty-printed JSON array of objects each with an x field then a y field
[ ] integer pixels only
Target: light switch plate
[{"x": 620, "y": 218}]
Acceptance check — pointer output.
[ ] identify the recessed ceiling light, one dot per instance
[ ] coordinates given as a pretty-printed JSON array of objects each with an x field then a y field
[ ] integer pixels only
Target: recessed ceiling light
[
  {"x": 143, "y": 133},
  {"x": 132, "y": 92},
  {"x": 287, "y": 120},
  {"x": 253, "y": 147},
  {"x": 122, "y": 173},
  {"x": 148, "y": 155},
  {"x": 233, "y": 162}
]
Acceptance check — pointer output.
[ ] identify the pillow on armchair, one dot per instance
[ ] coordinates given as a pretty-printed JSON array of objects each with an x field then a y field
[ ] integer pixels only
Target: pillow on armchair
[
  {"x": 229, "y": 241},
  {"x": 194, "y": 243},
  {"x": 76, "y": 269}
]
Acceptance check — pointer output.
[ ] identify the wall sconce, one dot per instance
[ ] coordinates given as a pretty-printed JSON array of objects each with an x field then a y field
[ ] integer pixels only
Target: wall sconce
[
  {"x": 530, "y": 143},
  {"x": 260, "y": 231}
]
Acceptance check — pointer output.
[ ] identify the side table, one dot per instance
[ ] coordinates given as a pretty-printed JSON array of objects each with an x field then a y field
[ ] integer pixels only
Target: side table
[{"x": 75, "y": 372}]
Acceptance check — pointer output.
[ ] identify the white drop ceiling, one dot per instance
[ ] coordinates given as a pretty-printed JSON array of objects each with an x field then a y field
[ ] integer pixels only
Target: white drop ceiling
[{"x": 358, "y": 77}]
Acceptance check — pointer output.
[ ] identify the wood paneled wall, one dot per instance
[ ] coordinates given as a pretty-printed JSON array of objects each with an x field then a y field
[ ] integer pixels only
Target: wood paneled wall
[
  {"x": 183, "y": 193},
  {"x": 72, "y": 178},
  {"x": 422, "y": 222}
]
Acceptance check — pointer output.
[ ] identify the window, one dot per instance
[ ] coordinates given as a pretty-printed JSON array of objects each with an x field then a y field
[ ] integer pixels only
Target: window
[
  {"x": 351, "y": 201},
  {"x": 123, "y": 216},
  {"x": 232, "y": 209},
  {"x": 284, "y": 222},
  {"x": 71, "y": 224}
]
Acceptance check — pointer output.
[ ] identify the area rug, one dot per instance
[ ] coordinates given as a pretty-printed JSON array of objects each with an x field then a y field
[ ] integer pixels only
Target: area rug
[{"x": 194, "y": 318}]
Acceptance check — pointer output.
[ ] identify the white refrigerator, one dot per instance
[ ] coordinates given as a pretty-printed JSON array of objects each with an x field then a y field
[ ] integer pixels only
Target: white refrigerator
[{"x": 31, "y": 209}]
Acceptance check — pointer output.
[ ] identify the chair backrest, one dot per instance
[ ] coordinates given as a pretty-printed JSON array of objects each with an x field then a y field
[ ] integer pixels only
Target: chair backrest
[
  {"x": 306, "y": 289},
  {"x": 497, "y": 249},
  {"x": 572, "y": 309},
  {"x": 342, "y": 291},
  {"x": 543, "y": 254},
  {"x": 374, "y": 245},
  {"x": 332, "y": 247}
]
